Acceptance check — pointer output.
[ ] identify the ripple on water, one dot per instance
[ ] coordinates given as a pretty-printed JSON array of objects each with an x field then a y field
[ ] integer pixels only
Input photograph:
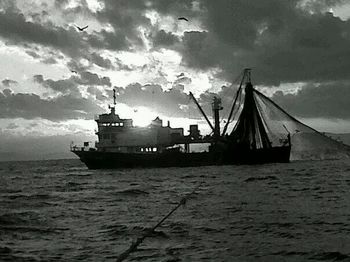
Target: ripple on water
[{"x": 276, "y": 212}]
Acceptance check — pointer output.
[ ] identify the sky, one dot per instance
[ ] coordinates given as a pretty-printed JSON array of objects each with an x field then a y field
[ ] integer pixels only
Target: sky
[{"x": 55, "y": 78}]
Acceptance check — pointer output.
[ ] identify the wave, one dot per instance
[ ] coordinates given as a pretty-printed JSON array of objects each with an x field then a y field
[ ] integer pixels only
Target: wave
[
  {"x": 333, "y": 256},
  {"x": 131, "y": 192},
  {"x": 260, "y": 178}
]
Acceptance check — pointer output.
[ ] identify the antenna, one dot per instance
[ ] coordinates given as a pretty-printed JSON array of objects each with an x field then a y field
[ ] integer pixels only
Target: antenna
[
  {"x": 247, "y": 71},
  {"x": 114, "y": 98}
]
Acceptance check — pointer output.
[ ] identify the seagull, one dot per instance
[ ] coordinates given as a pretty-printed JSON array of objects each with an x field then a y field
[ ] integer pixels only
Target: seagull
[
  {"x": 183, "y": 18},
  {"x": 81, "y": 28}
]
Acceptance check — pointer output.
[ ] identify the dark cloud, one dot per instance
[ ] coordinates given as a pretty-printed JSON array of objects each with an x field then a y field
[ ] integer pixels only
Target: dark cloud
[
  {"x": 71, "y": 85},
  {"x": 100, "y": 61},
  {"x": 15, "y": 28},
  {"x": 30, "y": 106},
  {"x": 201, "y": 50},
  {"x": 328, "y": 100},
  {"x": 125, "y": 17},
  {"x": 281, "y": 41},
  {"x": 33, "y": 54},
  {"x": 108, "y": 40},
  {"x": 8, "y": 82},
  {"x": 164, "y": 39},
  {"x": 63, "y": 86},
  {"x": 88, "y": 78}
]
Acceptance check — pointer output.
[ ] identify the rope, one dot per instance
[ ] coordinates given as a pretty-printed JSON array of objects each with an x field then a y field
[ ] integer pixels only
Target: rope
[{"x": 149, "y": 232}]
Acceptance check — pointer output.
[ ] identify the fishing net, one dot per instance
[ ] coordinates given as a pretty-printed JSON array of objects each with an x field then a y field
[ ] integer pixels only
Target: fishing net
[{"x": 260, "y": 121}]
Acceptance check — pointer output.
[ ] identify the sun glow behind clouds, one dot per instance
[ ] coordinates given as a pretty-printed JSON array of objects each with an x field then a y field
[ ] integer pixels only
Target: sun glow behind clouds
[{"x": 141, "y": 116}]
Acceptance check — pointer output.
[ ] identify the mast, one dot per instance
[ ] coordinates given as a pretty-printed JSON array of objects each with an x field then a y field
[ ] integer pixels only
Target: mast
[
  {"x": 235, "y": 101},
  {"x": 114, "y": 103},
  {"x": 249, "y": 129},
  {"x": 216, "y": 105},
  {"x": 201, "y": 110},
  {"x": 114, "y": 98}
]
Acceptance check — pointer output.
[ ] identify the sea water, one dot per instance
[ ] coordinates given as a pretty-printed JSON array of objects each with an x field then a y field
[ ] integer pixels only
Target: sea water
[{"x": 61, "y": 211}]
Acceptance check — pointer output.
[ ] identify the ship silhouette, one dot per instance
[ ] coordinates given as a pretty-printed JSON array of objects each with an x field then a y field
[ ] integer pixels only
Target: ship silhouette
[{"x": 251, "y": 140}]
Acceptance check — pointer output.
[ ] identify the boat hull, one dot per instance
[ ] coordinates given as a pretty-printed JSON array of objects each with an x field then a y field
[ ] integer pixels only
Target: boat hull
[{"x": 111, "y": 160}]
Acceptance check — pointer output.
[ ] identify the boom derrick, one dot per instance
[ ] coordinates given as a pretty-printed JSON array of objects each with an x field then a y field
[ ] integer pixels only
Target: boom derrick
[{"x": 202, "y": 112}]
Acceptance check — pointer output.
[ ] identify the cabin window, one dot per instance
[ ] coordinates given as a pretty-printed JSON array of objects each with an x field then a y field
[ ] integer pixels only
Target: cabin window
[
  {"x": 154, "y": 149},
  {"x": 141, "y": 149},
  {"x": 121, "y": 124}
]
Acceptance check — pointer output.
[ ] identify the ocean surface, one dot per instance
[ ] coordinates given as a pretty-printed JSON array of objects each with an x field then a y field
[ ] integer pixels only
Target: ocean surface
[{"x": 61, "y": 211}]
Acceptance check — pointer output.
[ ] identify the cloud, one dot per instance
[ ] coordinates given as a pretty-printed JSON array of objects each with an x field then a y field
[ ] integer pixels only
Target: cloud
[
  {"x": 71, "y": 85},
  {"x": 97, "y": 93},
  {"x": 8, "y": 82},
  {"x": 283, "y": 41},
  {"x": 174, "y": 102},
  {"x": 63, "y": 86},
  {"x": 50, "y": 61},
  {"x": 182, "y": 79},
  {"x": 167, "y": 102},
  {"x": 15, "y": 28},
  {"x": 33, "y": 54},
  {"x": 100, "y": 61},
  {"x": 88, "y": 78},
  {"x": 30, "y": 106},
  {"x": 164, "y": 39},
  {"x": 278, "y": 39},
  {"x": 12, "y": 126},
  {"x": 327, "y": 100}
]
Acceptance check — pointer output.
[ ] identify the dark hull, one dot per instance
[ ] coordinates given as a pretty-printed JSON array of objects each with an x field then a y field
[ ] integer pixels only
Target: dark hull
[{"x": 109, "y": 160}]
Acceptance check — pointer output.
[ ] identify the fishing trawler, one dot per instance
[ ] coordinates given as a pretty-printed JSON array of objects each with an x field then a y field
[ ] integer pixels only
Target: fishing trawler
[{"x": 251, "y": 141}]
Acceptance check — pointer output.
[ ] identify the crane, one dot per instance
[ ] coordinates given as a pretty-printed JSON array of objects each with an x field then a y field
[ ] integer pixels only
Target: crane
[{"x": 201, "y": 110}]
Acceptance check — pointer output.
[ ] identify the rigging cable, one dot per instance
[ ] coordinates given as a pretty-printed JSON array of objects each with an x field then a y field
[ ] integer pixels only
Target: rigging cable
[
  {"x": 135, "y": 244},
  {"x": 234, "y": 103}
]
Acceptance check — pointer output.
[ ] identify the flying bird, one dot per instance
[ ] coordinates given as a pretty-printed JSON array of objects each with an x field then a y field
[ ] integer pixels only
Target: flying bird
[
  {"x": 74, "y": 72},
  {"x": 183, "y": 18},
  {"x": 81, "y": 28}
]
